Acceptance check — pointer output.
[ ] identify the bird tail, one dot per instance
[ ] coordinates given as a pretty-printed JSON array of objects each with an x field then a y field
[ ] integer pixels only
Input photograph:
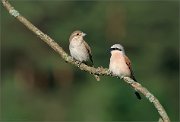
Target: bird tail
[
  {"x": 96, "y": 76},
  {"x": 92, "y": 64},
  {"x": 136, "y": 93},
  {"x": 132, "y": 76}
]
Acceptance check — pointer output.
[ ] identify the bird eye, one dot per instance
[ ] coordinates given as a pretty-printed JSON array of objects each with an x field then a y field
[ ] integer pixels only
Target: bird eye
[
  {"x": 77, "y": 34},
  {"x": 116, "y": 49}
]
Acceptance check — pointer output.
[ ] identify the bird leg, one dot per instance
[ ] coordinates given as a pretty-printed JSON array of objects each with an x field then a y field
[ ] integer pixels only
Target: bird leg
[{"x": 78, "y": 63}]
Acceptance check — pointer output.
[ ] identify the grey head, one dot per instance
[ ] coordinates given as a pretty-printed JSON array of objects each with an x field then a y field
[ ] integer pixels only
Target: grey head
[
  {"x": 117, "y": 47},
  {"x": 77, "y": 34}
]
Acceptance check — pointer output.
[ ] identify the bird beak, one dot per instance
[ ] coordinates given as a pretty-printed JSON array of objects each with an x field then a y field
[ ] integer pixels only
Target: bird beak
[
  {"x": 110, "y": 49},
  {"x": 83, "y": 34}
]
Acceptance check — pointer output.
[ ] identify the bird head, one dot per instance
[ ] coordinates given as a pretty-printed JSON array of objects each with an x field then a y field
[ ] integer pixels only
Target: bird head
[
  {"x": 117, "y": 47},
  {"x": 76, "y": 35}
]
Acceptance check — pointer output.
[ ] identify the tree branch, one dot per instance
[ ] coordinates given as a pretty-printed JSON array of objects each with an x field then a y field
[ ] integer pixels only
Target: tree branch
[{"x": 97, "y": 71}]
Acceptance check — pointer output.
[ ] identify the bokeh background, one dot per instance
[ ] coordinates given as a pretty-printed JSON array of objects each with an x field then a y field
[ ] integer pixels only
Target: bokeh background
[{"x": 37, "y": 85}]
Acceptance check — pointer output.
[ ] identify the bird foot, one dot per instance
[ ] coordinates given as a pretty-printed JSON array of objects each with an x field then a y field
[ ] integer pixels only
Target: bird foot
[
  {"x": 78, "y": 63},
  {"x": 121, "y": 77}
]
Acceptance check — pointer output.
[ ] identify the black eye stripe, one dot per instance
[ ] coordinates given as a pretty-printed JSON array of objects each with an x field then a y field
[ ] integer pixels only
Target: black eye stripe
[{"x": 115, "y": 49}]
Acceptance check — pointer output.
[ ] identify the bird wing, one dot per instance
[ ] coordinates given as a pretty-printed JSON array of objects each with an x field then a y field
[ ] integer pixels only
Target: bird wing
[
  {"x": 128, "y": 62},
  {"x": 89, "y": 51}
]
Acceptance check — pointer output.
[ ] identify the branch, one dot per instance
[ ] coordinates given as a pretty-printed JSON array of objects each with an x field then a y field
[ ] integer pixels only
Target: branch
[{"x": 96, "y": 71}]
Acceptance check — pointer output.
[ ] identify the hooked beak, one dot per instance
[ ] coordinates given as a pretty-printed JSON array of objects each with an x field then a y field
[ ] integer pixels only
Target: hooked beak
[
  {"x": 84, "y": 34},
  {"x": 110, "y": 49}
]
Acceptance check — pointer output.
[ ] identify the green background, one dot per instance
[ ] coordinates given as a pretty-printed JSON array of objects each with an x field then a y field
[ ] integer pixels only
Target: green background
[{"x": 37, "y": 85}]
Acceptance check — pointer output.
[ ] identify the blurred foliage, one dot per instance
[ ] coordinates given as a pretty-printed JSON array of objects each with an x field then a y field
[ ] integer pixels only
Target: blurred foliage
[{"x": 38, "y": 85}]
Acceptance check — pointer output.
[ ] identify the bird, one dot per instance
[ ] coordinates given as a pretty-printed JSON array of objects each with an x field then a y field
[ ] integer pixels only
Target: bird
[
  {"x": 79, "y": 48},
  {"x": 120, "y": 65}
]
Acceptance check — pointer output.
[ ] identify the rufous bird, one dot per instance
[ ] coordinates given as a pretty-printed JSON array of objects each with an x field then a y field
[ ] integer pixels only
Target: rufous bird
[{"x": 120, "y": 65}]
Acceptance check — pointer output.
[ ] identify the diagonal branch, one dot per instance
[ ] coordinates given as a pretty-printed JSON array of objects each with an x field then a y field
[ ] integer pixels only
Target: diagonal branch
[{"x": 98, "y": 71}]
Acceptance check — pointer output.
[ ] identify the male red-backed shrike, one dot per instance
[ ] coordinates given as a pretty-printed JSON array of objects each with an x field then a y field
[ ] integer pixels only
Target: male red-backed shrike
[
  {"x": 79, "y": 49},
  {"x": 120, "y": 64}
]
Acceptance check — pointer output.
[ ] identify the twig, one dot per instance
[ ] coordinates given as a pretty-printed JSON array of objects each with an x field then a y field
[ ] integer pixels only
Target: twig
[{"x": 98, "y": 71}]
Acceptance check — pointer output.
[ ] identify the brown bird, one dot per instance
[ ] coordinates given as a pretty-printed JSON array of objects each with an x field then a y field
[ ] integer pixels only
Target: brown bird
[
  {"x": 79, "y": 49},
  {"x": 120, "y": 65}
]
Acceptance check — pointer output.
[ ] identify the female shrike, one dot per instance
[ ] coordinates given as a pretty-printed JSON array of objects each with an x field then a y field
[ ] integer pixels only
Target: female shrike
[
  {"x": 79, "y": 49},
  {"x": 120, "y": 64}
]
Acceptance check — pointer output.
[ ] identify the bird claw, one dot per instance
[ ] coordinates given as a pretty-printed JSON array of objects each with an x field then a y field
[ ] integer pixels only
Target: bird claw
[
  {"x": 121, "y": 77},
  {"x": 78, "y": 63}
]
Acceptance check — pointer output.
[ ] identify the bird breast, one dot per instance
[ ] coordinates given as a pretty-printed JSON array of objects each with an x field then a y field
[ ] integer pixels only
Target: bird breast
[
  {"x": 118, "y": 65},
  {"x": 78, "y": 50}
]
